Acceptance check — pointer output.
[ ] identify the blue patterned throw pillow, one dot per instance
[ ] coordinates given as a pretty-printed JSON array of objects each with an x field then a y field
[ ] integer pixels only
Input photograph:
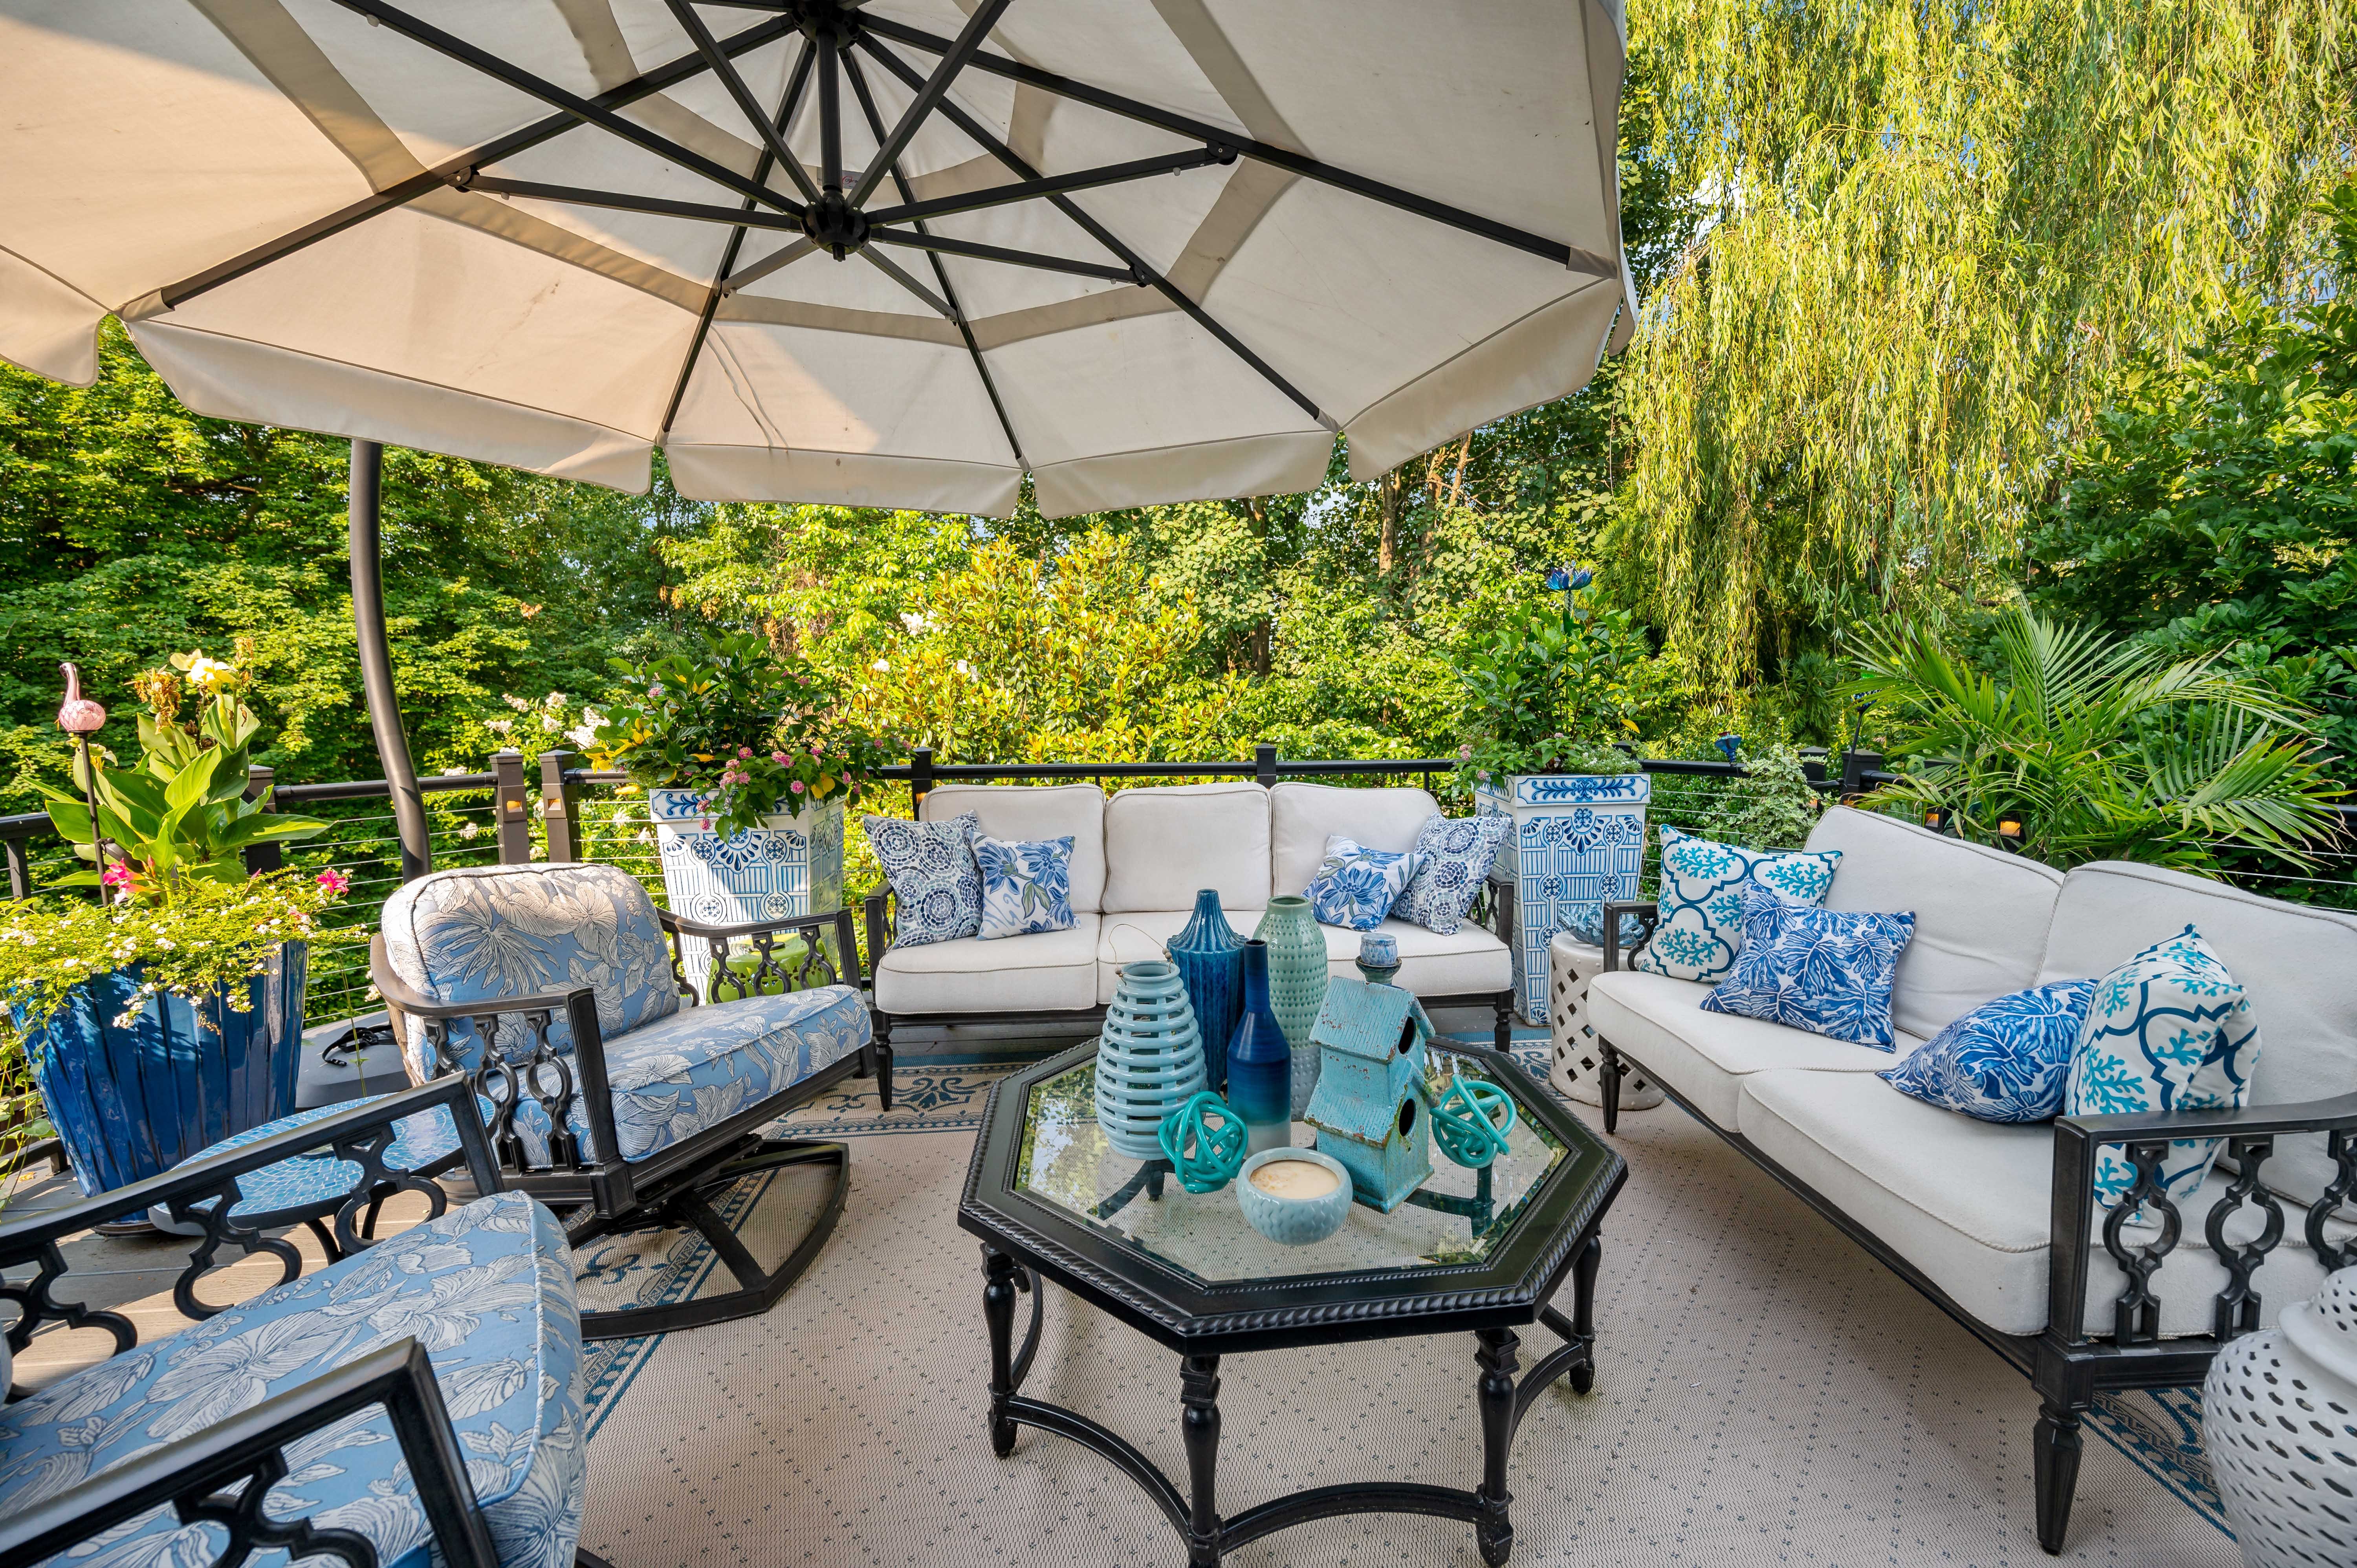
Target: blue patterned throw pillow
[
  {"x": 934, "y": 878},
  {"x": 1700, "y": 891},
  {"x": 1825, "y": 970},
  {"x": 1356, "y": 886},
  {"x": 2169, "y": 1030},
  {"x": 2009, "y": 1060},
  {"x": 1027, "y": 889},
  {"x": 1457, "y": 854}
]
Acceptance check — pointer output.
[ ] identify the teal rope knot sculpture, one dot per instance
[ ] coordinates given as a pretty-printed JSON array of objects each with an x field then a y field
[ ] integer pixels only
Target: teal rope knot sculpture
[
  {"x": 1470, "y": 1120},
  {"x": 1205, "y": 1158}
]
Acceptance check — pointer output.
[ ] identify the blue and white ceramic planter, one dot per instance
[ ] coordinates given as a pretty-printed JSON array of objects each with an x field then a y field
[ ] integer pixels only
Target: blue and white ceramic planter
[
  {"x": 791, "y": 864},
  {"x": 1578, "y": 840},
  {"x": 131, "y": 1101}
]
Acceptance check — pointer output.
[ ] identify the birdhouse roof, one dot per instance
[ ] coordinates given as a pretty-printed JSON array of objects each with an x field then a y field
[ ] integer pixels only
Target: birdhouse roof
[{"x": 1365, "y": 1020}]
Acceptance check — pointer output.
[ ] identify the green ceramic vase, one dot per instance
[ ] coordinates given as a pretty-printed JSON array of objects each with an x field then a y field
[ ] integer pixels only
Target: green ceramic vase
[{"x": 1296, "y": 984}]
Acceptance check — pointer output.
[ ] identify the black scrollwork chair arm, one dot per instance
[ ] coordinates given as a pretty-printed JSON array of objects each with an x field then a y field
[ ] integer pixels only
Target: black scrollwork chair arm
[
  {"x": 1648, "y": 914},
  {"x": 2249, "y": 1133},
  {"x": 816, "y": 966},
  {"x": 248, "y": 1449},
  {"x": 405, "y": 997}
]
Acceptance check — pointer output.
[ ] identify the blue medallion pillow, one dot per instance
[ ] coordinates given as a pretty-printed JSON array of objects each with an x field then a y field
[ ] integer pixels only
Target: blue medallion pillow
[
  {"x": 2009, "y": 1060},
  {"x": 1027, "y": 889},
  {"x": 1825, "y": 970},
  {"x": 1356, "y": 886},
  {"x": 2169, "y": 1030},
  {"x": 935, "y": 879},
  {"x": 1456, "y": 853},
  {"x": 1700, "y": 891}
]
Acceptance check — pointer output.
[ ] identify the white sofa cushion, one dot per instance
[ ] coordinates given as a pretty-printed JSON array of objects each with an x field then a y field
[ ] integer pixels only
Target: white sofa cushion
[
  {"x": 1025, "y": 813},
  {"x": 1967, "y": 1202},
  {"x": 1981, "y": 915},
  {"x": 1163, "y": 844},
  {"x": 1050, "y": 972},
  {"x": 1469, "y": 963},
  {"x": 2297, "y": 965},
  {"x": 1302, "y": 816},
  {"x": 1706, "y": 1056}
]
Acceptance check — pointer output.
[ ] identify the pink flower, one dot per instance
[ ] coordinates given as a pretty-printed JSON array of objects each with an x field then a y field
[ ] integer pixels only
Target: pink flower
[
  {"x": 115, "y": 875},
  {"x": 797, "y": 786},
  {"x": 744, "y": 751},
  {"x": 778, "y": 758},
  {"x": 335, "y": 881}
]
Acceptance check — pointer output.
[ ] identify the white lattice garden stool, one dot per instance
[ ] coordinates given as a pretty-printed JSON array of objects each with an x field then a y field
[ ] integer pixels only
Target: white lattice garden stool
[
  {"x": 1571, "y": 1067},
  {"x": 2279, "y": 1419}
]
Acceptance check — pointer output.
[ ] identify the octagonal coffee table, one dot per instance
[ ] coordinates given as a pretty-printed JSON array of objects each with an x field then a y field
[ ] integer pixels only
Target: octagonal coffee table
[{"x": 1483, "y": 1252}]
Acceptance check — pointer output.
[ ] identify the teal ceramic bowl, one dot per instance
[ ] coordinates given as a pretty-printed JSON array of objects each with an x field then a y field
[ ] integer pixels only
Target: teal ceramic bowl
[{"x": 1291, "y": 1221}]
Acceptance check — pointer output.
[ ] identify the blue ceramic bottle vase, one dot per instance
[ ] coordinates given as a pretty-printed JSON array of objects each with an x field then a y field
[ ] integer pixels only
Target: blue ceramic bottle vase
[
  {"x": 1209, "y": 956},
  {"x": 1260, "y": 1064}
]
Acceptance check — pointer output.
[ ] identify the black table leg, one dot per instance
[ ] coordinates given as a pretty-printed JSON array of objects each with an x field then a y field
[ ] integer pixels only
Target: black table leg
[
  {"x": 1494, "y": 1531},
  {"x": 1199, "y": 1378},
  {"x": 998, "y": 1311},
  {"x": 1583, "y": 1310}
]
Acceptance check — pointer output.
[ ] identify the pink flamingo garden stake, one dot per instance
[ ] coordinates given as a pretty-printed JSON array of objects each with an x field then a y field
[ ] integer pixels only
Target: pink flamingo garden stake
[{"x": 82, "y": 718}]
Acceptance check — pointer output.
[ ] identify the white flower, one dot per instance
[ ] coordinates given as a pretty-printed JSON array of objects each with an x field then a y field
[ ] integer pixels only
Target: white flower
[
  {"x": 964, "y": 669},
  {"x": 551, "y": 724},
  {"x": 204, "y": 673},
  {"x": 499, "y": 727},
  {"x": 518, "y": 704},
  {"x": 555, "y": 699},
  {"x": 881, "y": 666},
  {"x": 585, "y": 735},
  {"x": 470, "y": 830},
  {"x": 914, "y": 622}
]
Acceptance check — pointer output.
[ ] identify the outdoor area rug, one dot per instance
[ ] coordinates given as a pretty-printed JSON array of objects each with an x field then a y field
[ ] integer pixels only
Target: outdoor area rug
[{"x": 1765, "y": 1392}]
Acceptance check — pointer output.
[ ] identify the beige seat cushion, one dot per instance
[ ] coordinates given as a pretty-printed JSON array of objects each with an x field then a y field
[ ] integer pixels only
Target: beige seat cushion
[
  {"x": 1981, "y": 915},
  {"x": 1028, "y": 813},
  {"x": 1303, "y": 816},
  {"x": 1163, "y": 844},
  {"x": 1967, "y": 1202},
  {"x": 1140, "y": 935},
  {"x": 1470, "y": 962},
  {"x": 1703, "y": 1057},
  {"x": 1050, "y": 972}
]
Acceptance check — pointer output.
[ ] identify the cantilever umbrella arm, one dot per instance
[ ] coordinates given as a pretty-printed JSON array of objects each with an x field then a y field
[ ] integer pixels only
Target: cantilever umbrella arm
[{"x": 376, "y": 660}]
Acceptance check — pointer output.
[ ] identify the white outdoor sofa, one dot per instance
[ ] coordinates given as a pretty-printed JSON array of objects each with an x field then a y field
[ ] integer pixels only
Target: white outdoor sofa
[
  {"x": 1138, "y": 859},
  {"x": 1996, "y": 1223}
]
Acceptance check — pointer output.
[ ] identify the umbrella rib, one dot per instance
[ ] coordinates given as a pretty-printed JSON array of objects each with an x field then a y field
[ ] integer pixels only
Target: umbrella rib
[
  {"x": 941, "y": 273},
  {"x": 769, "y": 264},
  {"x": 968, "y": 41},
  {"x": 893, "y": 270},
  {"x": 586, "y": 110},
  {"x": 663, "y": 77},
  {"x": 621, "y": 201},
  {"x": 774, "y": 138},
  {"x": 1054, "y": 185},
  {"x": 918, "y": 241},
  {"x": 1138, "y": 266},
  {"x": 1295, "y": 163}
]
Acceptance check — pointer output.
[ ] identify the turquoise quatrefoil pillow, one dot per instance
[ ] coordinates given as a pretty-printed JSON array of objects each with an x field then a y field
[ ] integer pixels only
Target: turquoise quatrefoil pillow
[
  {"x": 1356, "y": 886},
  {"x": 2169, "y": 1030},
  {"x": 1825, "y": 970},
  {"x": 1700, "y": 892},
  {"x": 2009, "y": 1060},
  {"x": 1027, "y": 889}
]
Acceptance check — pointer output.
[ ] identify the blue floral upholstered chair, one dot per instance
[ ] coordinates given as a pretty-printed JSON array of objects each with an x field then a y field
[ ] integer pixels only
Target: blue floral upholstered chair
[
  {"x": 418, "y": 1401},
  {"x": 607, "y": 1097}
]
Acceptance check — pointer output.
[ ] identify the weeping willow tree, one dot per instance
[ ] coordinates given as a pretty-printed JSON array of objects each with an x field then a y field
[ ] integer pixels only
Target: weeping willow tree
[{"x": 1935, "y": 228}]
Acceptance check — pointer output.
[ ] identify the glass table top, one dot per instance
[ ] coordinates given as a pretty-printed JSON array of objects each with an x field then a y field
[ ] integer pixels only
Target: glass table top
[{"x": 1457, "y": 1216}]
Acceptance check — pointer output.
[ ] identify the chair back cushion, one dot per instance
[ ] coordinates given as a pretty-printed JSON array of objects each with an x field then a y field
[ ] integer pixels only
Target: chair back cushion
[
  {"x": 1016, "y": 814},
  {"x": 1164, "y": 845},
  {"x": 2297, "y": 963},
  {"x": 1302, "y": 817},
  {"x": 1980, "y": 914},
  {"x": 487, "y": 931}
]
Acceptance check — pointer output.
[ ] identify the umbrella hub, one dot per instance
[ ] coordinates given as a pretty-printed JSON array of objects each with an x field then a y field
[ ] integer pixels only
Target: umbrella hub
[{"x": 835, "y": 225}]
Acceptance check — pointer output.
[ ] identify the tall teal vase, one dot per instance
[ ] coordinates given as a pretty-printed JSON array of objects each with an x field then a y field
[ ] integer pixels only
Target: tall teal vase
[
  {"x": 1296, "y": 984},
  {"x": 1211, "y": 959},
  {"x": 1260, "y": 1066}
]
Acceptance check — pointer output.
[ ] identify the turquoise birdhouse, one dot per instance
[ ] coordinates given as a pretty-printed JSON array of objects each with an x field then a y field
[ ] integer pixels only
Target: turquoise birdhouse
[{"x": 1367, "y": 1110}]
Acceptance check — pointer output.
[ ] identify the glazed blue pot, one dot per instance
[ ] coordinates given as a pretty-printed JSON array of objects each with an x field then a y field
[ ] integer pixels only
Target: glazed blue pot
[
  {"x": 1211, "y": 959},
  {"x": 1260, "y": 1064},
  {"x": 130, "y": 1102}
]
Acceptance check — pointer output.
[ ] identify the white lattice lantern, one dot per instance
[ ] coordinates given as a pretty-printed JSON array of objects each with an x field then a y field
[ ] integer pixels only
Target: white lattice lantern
[
  {"x": 791, "y": 864},
  {"x": 1578, "y": 840},
  {"x": 2279, "y": 1419},
  {"x": 1573, "y": 1064}
]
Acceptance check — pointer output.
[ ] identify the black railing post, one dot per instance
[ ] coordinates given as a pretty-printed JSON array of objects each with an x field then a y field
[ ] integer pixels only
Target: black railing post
[
  {"x": 1264, "y": 765},
  {"x": 1856, "y": 766},
  {"x": 510, "y": 808},
  {"x": 1812, "y": 764},
  {"x": 20, "y": 869},
  {"x": 560, "y": 806},
  {"x": 267, "y": 855},
  {"x": 920, "y": 778}
]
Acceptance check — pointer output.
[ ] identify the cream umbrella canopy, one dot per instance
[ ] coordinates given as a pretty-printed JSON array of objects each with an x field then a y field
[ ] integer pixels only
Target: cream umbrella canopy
[{"x": 895, "y": 253}]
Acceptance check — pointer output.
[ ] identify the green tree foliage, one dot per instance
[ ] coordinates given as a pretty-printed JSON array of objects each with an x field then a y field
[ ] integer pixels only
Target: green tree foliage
[{"x": 1936, "y": 231}]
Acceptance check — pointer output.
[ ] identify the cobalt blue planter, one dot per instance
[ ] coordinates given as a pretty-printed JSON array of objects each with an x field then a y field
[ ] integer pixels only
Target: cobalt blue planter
[
  {"x": 1260, "y": 1066},
  {"x": 132, "y": 1102},
  {"x": 1211, "y": 959}
]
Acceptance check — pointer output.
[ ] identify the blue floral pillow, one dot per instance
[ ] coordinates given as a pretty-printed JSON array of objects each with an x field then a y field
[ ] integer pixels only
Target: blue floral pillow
[
  {"x": 1456, "y": 853},
  {"x": 2009, "y": 1060},
  {"x": 1700, "y": 892},
  {"x": 1027, "y": 889},
  {"x": 1825, "y": 970},
  {"x": 1356, "y": 886},
  {"x": 2169, "y": 1030},
  {"x": 934, "y": 878}
]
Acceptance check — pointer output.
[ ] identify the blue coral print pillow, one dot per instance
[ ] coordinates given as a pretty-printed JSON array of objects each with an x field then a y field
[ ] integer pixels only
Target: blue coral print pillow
[
  {"x": 2009, "y": 1060},
  {"x": 1026, "y": 887},
  {"x": 1700, "y": 891},
  {"x": 1456, "y": 853},
  {"x": 2169, "y": 1030},
  {"x": 1825, "y": 970},
  {"x": 1357, "y": 886},
  {"x": 935, "y": 880}
]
